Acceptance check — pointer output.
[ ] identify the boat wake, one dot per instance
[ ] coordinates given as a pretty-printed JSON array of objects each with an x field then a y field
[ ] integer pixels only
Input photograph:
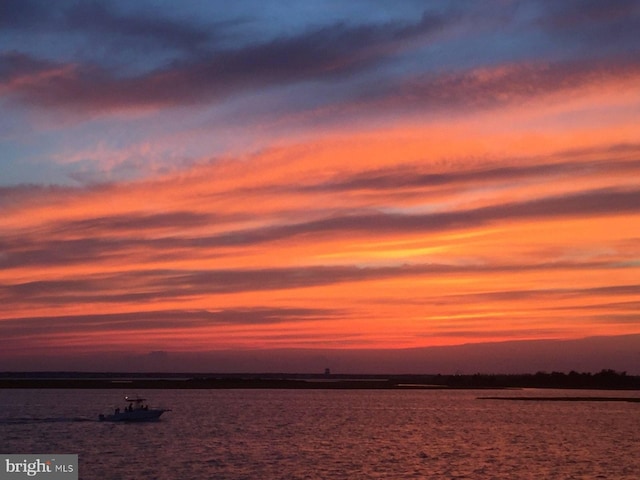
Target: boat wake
[{"x": 37, "y": 420}]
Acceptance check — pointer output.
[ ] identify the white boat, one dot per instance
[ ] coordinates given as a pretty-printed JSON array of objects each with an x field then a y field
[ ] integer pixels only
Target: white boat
[{"x": 135, "y": 411}]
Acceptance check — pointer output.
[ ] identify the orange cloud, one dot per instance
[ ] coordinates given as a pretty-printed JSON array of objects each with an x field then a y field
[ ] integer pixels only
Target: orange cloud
[{"x": 492, "y": 227}]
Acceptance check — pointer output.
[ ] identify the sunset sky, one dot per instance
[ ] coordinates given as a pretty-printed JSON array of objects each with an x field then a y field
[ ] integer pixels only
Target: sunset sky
[{"x": 197, "y": 177}]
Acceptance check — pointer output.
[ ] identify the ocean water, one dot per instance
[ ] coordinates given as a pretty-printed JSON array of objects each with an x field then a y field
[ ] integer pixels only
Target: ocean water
[{"x": 330, "y": 434}]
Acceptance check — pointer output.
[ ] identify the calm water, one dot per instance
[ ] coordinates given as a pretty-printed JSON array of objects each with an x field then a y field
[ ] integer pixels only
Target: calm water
[{"x": 297, "y": 434}]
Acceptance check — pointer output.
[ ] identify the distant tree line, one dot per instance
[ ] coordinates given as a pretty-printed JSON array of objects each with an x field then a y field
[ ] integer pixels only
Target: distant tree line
[{"x": 605, "y": 379}]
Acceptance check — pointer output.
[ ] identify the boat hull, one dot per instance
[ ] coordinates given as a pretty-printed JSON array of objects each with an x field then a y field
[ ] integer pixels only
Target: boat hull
[{"x": 133, "y": 416}]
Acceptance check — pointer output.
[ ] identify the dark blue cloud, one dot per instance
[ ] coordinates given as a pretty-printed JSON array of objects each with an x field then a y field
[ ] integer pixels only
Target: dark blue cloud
[
  {"x": 15, "y": 65},
  {"x": 105, "y": 23},
  {"x": 145, "y": 58},
  {"x": 29, "y": 14},
  {"x": 207, "y": 73},
  {"x": 593, "y": 27},
  {"x": 103, "y": 20}
]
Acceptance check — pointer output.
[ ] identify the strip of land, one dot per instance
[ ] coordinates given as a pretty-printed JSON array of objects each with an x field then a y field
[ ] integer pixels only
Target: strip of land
[
  {"x": 605, "y": 380},
  {"x": 567, "y": 399}
]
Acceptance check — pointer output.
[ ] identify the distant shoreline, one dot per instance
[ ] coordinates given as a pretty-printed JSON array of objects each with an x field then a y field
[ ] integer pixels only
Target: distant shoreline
[
  {"x": 566, "y": 399},
  {"x": 604, "y": 380},
  {"x": 218, "y": 383}
]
